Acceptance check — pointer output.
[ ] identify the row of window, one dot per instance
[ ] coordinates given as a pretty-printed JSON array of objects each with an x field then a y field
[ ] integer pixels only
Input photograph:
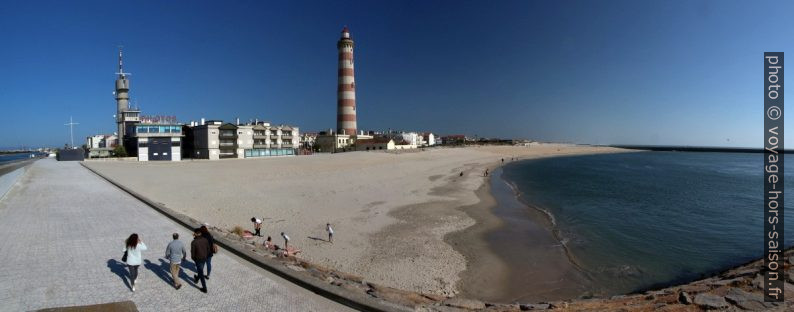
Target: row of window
[
  {"x": 158, "y": 129},
  {"x": 146, "y": 144},
  {"x": 264, "y": 152}
]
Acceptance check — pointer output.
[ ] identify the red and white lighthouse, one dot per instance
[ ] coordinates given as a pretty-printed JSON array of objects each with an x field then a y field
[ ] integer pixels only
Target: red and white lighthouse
[{"x": 346, "y": 91}]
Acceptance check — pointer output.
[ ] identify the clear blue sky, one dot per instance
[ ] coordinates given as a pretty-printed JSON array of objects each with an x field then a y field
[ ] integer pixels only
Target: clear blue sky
[{"x": 601, "y": 72}]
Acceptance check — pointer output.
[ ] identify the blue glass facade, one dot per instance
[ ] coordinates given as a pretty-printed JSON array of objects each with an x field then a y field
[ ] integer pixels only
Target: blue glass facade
[
  {"x": 157, "y": 129},
  {"x": 264, "y": 152}
]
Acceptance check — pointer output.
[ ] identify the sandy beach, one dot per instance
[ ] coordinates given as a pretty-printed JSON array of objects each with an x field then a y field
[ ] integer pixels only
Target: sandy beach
[{"x": 403, "y": 220}]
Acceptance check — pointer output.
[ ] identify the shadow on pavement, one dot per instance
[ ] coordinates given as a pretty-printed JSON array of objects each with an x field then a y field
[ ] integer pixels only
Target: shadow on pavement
[
  {"x": 163, "y": 271},
  {"x": 120, "y": 269}
]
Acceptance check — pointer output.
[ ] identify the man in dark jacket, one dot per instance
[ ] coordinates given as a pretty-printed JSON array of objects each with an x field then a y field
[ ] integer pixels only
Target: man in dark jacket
[{"x": 199, "y": 251}]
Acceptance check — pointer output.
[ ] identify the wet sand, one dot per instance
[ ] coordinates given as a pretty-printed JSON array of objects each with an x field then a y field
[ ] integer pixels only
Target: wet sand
[{"x": 525, "y": 262}]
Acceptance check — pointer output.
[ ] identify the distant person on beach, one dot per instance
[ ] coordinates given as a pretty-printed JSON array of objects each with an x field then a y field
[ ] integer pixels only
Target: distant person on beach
[
  {"x": 503, "y": 160},
  {"x": 461, "y": 173},
  {"x": 213, "y": 248},
  {"x": 269, "y": 243},
  {"x": 199, "y": 251},
  {"x": 286, "y": 240},
  {"x": 330, "y": 232},
  {"x": 132, "y": 250},
  {"x": 175, "y": 252},
  {"x": 257, "y": 226},
  {"x": 486, "y": 173}
]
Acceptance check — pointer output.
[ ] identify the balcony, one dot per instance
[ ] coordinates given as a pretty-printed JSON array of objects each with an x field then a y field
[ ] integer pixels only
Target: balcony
[
  {"x": 261, "y": 146},
  {"x": 286, "y": 137},
  {"x": 274, "y": 137}
]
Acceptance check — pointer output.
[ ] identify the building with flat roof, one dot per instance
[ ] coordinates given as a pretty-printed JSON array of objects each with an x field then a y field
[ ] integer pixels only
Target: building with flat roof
[
  {"x": 157, "y": 141},
  {"x": 215, "y": 140},
  {"x": 373, "y": 144}
]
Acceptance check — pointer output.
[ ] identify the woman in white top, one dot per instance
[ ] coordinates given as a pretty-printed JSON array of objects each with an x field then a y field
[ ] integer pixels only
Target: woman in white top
[{"x": 133, "y": 247}]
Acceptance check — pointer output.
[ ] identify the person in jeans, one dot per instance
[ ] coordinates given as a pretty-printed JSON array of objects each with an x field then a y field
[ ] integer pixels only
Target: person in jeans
[
  {"x": 213, "y": 249},
  {"x": 257, "y": 226},
  {"x": 175, "y": 252},
  {"x": 133, "y": 246},
  {"x": 199, "y": 251}
]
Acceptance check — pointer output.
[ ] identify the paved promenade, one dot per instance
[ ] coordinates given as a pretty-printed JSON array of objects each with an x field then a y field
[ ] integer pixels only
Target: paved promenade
[{"x": 62, "y": 230}]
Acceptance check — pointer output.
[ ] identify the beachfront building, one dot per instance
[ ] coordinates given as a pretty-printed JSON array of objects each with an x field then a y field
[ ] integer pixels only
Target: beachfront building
[
  {"x": 227, "y": 141},
  {"x": 215, "y": 140},
  {"x": 428, "y": 139},
  {"x": 157, "y": 140},
  {"x": 101, "y": 145},
  {"x": 307, "y": 141},
  {"x": 374, "y": 144},
  {"x": 331, "y": 142},
  {"x": 203, "y": 140},
  {"x": 267, "y": 140}
]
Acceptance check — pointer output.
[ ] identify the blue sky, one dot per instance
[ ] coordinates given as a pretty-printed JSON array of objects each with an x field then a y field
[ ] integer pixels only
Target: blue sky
[{"x": 600, "y": 72}]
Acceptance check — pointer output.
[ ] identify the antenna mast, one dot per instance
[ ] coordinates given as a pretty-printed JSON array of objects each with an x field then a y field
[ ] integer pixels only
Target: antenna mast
[{"x": 71, "y": 129}]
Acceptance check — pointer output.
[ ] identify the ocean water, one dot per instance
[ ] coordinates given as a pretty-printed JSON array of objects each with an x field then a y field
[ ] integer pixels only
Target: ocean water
[
  {"x": 640, "y": 220},
  {"x": 13, "y": 157}
]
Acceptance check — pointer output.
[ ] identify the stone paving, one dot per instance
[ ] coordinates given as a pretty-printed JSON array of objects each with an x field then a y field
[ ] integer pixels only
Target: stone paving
[{"x": 62, "y": 232}]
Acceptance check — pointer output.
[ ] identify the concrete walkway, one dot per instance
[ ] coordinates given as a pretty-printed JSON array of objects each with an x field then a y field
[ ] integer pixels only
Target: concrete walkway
[{"x": 62, "y": 232}]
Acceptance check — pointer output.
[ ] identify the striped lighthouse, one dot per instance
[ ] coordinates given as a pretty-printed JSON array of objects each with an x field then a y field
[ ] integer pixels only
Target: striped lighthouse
[{"x": 346, "y": 91}]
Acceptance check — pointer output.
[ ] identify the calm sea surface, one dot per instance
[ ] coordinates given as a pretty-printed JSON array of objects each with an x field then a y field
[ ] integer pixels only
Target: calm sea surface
[
  {"x": 645, "y": 219},
  {"x": 13, "y": 157}
]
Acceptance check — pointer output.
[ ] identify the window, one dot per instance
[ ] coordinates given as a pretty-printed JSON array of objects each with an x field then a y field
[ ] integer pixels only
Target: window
[
  {"x": 143, "y": 130},
  {"x": 143, "y": 144},
  {"x": 175, "y": 143}
]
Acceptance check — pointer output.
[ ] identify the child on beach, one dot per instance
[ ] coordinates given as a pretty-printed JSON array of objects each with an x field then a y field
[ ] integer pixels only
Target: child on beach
[
  {"x": 330, "y": 232},
  {"x": 269, "y": 243},
  {"x": 286, "y": 240}
]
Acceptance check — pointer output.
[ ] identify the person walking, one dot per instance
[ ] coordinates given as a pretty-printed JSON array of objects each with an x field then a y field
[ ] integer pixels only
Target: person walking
[
  {"x": 213, "y": 249},
  {"x": 199, "y": 251},
  {"x": 286, "y": 240},
  {"x": 132, "y": 250},
  {"x": 330, "y": 232},
  {"x": 257, "y": 226},
  {"x": 175, "y": 252}
]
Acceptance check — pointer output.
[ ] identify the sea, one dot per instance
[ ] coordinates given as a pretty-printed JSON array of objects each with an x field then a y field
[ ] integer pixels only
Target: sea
[
  {"x": 642, "y": 220},
  {"x": 7, "y": 158}
]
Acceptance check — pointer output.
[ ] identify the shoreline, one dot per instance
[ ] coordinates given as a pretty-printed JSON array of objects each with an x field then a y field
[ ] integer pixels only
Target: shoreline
[
  {"x": 393, "y": 213},
  {"x": 496, "y": 270}
]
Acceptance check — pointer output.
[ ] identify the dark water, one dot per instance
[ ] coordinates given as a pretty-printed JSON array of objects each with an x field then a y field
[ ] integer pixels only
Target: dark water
[
  {"x": 646, "y": 219},
  {"x": 6, "y": 158}
]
